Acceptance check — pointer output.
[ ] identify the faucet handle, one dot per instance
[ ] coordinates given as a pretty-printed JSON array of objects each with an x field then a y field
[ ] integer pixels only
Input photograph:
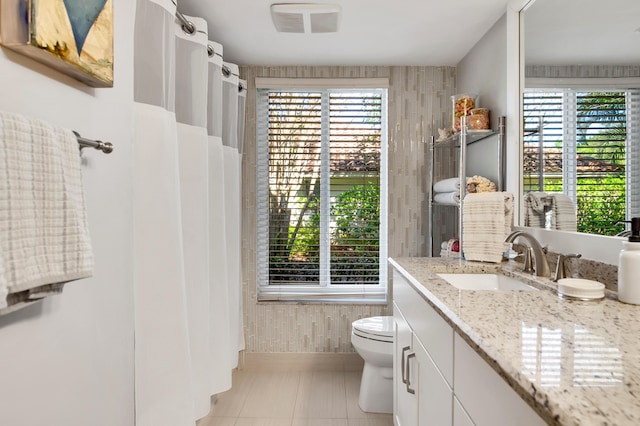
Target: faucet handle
[
  {"x": 527, "y": 262},
  {"x": 561, "y": 270}
]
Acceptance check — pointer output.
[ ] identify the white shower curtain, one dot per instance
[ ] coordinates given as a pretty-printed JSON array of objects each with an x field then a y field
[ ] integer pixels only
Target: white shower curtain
[
  {"x": 222, "y": 360},
  {"x": 232, "y": 170},
  {"x": 163, "y": 372},
  {"x": 191, "y": 114},
  {"x": 187, "y": 309}
]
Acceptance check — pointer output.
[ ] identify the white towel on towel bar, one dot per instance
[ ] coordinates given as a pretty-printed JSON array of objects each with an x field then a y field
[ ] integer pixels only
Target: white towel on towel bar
[
  {"x": 45, "y": 239},
  {"x": 487, "y": 219}
]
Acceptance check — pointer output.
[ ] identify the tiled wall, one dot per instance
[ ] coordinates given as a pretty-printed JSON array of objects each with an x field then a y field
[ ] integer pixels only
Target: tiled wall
[
  {"x": 419, "y": 103},
  {"x": 582, "y": 71}
]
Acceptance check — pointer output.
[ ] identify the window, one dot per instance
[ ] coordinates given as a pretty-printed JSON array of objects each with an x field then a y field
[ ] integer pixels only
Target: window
[
  {"x": 322, "y": 186},
  {"x": 585, "y": 143}
]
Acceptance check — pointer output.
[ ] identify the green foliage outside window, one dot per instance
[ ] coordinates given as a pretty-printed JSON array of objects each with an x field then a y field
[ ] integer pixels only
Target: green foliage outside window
[
  {"x": 306, "y": 239},
  {"x": 357, "y": 216},
  {"x": 356, "y": 213},
  {"x": 598, "y": 209}
]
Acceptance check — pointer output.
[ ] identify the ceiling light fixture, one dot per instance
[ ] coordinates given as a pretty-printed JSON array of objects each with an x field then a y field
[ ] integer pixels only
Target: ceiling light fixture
[{"x": 305, "y": 17}]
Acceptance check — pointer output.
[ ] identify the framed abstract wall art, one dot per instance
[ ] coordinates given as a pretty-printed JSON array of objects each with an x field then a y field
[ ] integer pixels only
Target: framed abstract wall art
[{"x": 72, "y": 36}]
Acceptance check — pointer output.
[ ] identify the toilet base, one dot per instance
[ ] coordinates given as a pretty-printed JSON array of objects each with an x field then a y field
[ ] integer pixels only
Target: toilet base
[{"x": 376, "y": 389}]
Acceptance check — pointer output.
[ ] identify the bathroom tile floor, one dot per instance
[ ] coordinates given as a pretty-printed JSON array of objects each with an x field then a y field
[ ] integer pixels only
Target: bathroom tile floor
[{"x": 292, "y": 398}]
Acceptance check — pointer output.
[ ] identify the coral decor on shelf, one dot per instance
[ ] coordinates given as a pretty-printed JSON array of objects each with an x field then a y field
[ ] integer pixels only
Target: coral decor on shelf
[{"x": 476, "y": 184}]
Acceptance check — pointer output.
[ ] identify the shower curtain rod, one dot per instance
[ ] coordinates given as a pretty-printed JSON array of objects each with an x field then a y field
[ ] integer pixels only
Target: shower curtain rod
[
  {"x": 187, "y": 26},
  {"x": 106, "y": 147},
  {"x": 190, "y": 28}
]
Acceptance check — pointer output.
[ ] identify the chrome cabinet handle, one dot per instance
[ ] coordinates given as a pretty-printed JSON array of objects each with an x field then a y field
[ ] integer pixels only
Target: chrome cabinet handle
[
  {"x": 402, "y": 364},
  {"x": 408, "y": 382}
]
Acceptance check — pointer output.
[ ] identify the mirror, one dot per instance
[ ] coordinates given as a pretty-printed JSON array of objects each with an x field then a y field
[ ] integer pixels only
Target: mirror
[{"x": 586, "y": 54}]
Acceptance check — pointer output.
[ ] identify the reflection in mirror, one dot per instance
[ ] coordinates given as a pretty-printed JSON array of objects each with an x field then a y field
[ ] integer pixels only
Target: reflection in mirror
[{"x": 581, "y": 113}]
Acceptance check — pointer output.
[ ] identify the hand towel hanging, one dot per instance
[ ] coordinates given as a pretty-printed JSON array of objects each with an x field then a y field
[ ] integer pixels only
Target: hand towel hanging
[
  {"x": 564, "y": 213},
  {"x": 45, "y": 239},
  {"x": 487, "y": 220}
]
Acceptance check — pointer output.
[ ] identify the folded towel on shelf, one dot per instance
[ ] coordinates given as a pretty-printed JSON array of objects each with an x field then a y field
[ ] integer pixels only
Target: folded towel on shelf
[
  {"x": 534, "y": 209},
  {"x": 447, "y": 185},
  {"x": 449, "y": 198},
  {"x": 45, "y": 238},
  {"x": 564, "y": 213},
  {"x": 486, "y": 222}
]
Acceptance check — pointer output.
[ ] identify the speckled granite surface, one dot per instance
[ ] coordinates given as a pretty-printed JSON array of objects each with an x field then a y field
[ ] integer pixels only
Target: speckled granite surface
[{"x": 575, "y": 363}]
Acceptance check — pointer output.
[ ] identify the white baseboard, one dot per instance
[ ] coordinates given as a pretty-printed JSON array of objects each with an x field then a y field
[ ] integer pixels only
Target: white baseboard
[{"x": 301, "y": 361}]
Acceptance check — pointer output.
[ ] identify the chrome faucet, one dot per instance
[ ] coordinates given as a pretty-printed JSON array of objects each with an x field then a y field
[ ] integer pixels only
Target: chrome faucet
[
  {"x": 539, "y": 255},
  {"x": 561, "y": 269}
]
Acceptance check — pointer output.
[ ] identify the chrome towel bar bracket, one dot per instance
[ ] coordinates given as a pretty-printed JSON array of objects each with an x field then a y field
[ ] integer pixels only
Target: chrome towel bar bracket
[{"x": 106, "y": 147}]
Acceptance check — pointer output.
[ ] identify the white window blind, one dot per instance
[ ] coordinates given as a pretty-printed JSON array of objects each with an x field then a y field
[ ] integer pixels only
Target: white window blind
[
  {"x": 321, "y": 181},
  {"x": 584, "y": 143}
]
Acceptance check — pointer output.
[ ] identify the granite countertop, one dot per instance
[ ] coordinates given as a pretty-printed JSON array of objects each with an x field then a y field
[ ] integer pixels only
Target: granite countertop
[{"x": 574, "y": 362}]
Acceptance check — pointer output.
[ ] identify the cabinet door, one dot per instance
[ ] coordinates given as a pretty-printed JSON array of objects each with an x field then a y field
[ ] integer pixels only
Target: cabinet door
[
  {"x": 433, "y": 332},
  {"x": 405, "y": 404},
  {"x": 460, "y": 417},
  {"x": 485, "y": 395},
  {"x": 435, "y": 397}
]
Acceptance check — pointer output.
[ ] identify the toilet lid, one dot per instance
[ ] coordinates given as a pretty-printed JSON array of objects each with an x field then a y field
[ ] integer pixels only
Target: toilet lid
[{"x": 379, "y": 328}]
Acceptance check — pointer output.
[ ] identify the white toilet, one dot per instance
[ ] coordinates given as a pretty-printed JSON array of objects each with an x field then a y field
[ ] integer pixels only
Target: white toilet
[{"x": 373, "y": 340}]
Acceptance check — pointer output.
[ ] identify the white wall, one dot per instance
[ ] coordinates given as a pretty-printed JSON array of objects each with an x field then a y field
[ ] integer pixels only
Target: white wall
[
  {"x": 483, "y": 71},
  {"x": 68, "y": 361}
]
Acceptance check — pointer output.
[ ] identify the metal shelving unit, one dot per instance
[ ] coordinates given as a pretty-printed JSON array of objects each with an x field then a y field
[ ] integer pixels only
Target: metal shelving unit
[{"x": 462, "y": 139}]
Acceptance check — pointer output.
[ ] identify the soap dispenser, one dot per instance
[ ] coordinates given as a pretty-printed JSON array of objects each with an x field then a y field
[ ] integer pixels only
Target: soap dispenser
[{"x": 629, "y": 266}]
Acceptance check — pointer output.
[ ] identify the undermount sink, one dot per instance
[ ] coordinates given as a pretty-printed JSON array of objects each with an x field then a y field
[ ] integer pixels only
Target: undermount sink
[{"x": 495, "y": 282}]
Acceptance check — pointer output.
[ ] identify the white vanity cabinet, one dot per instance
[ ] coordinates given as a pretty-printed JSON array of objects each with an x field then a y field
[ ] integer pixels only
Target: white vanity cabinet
[
  {"x": 422, "y": 386},
  {"x": 439, "y": 379},
  {"x": 405, "y": 401}
]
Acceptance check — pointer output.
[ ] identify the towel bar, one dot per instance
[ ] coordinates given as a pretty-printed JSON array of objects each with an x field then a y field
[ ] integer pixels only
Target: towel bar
[{"x": 106, "y": 147}]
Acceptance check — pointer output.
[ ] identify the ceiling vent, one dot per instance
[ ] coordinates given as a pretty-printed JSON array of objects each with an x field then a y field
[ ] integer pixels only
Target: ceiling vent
[{"x": 305, "y": 17}]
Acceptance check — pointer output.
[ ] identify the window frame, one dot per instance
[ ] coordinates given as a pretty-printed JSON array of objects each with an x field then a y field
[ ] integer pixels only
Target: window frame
[{"x": 323, "y": 291}]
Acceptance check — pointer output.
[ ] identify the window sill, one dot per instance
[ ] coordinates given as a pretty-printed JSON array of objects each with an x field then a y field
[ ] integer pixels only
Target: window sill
[{"x": 301, "y": 299}]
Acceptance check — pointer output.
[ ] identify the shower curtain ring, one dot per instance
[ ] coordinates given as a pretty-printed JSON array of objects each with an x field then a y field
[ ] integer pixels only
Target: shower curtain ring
[{"x": 187, "y": 26}]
